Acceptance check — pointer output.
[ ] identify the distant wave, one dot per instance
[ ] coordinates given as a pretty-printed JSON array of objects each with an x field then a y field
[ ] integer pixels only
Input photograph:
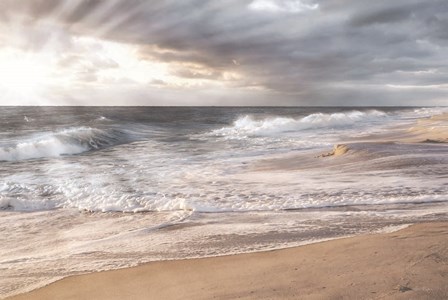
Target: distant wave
[
  {"x": 428, "y": 112},
  {"x": 102, "y": 119},
  {"x": 69, "y": 141},
  {"x": 248, "y": 125}
]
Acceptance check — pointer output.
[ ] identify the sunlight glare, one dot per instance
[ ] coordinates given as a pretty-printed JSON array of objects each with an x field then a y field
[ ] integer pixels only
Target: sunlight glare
[{"x": 23, "y": 74}]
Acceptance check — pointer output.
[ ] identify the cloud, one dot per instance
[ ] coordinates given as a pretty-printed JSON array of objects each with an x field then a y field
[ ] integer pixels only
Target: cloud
[
  {"x": 323, "y": 52},
  {"x": 289, "y": 6},
  {"x": 383, "y": 16}
]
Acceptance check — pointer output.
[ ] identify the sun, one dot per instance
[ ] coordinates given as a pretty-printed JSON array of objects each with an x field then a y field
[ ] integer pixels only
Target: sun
[{"x": 24, "y": 74}]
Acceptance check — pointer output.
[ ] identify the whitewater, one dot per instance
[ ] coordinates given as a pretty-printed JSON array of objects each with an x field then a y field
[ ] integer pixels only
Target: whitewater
[{"x": 99, "y": 188}]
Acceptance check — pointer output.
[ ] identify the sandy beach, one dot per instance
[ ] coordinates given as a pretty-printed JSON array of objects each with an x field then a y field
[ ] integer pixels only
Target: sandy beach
[
  {"x": 258, "y": 149},
  {"x": 408, "y": 264}
]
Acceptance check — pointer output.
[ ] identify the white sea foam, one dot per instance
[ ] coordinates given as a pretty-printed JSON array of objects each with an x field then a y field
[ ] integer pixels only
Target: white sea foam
[
  {"x": 96, "y": 242},
  {"x": 250, "y": 126},
  {"x": 427, "y": 111},
  {"x": 49, "y": 146},
  {"x": 103, "y": 119},
  {"x": 251, "y": 192},
  {"x": 171, "y": 176}
]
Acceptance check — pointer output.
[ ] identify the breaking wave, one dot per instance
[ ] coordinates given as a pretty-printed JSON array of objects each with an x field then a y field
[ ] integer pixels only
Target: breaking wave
[
  {"x": 248, "y": 125},
  {"x": 69, "y": 141}
]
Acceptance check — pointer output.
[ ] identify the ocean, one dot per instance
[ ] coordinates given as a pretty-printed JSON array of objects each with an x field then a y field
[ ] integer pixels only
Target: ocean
[{"x": 95, "y": 188}]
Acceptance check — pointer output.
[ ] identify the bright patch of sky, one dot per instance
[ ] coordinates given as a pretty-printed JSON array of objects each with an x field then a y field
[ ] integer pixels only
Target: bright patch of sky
[{"x": 288, "y": 6}]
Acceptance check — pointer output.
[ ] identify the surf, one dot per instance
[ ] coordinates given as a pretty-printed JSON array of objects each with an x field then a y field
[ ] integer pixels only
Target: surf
[
  {"x": 249, "y": 125},
  {"x": 70, "y": 141}
]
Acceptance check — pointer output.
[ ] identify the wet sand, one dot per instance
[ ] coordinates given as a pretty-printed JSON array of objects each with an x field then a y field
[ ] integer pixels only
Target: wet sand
[
  {"x": 425, "y": 130},
  {"x": 408, "y": 264}
]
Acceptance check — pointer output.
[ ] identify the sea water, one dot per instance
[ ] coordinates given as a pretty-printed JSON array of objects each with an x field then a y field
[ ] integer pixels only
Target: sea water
[{"x": 97, "y": 188}]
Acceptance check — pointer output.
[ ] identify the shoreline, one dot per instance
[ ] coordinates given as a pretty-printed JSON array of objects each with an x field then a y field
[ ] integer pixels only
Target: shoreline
[{"x": 411, "y": 263}]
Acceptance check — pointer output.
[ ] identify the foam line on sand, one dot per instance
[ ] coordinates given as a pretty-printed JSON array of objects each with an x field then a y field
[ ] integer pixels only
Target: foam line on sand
[{"x": 411, "y": 263}]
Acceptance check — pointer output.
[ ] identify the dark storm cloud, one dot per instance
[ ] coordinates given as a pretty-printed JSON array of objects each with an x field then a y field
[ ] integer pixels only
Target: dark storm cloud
[
  {"x": 345, "y": 51},
  {"x": 382, "y": 16}
]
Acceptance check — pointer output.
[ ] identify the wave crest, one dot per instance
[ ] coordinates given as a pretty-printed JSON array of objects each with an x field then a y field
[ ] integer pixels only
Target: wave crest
[
  {"x": 250, "y": 126},
  {"x": 64, "y": 142}
]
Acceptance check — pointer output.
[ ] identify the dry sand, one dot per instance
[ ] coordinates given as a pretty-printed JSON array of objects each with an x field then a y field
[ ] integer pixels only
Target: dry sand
[{"x": 408, "y": 264}]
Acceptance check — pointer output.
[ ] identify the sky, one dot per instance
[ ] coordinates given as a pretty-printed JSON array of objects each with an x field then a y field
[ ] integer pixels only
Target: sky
[{"x": 232, "y": 52}]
